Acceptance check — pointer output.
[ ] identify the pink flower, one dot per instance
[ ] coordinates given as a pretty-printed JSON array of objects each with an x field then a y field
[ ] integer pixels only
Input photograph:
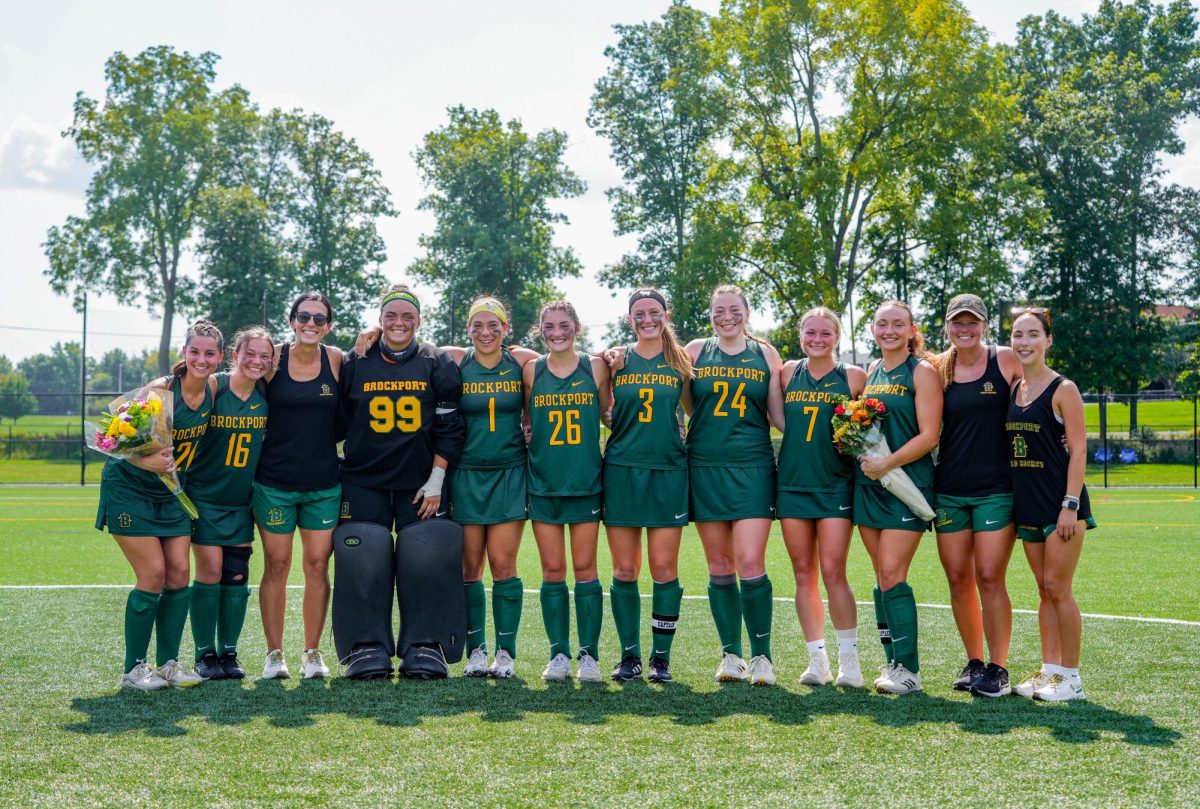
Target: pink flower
[{"x": 105, "y": 443}]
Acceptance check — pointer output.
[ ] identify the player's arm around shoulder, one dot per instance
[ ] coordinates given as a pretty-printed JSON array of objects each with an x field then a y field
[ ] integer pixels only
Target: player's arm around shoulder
[
  {"x": 603, "y": 389},
  {"x": 1010, "y": 366},
  {"x": 928, "y": 394},
  {"x": 775, "y": 388},
  {"x": 857, "y": 378},
  {"x": 523, "y": 356}
]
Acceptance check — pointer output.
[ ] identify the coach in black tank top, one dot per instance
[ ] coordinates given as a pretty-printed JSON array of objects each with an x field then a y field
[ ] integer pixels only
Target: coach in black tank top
[
  {"x": 974, "y": 521},
  {"x": 296, "y": 485}
]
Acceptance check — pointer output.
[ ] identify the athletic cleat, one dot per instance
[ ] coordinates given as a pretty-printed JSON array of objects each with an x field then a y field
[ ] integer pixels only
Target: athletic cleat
[
  {"x": 424, "y": 663},
  {"x": 1060, "y": 689},
  {"x": 884, "y": 673},
  {"x": 558, "y": 670},
  {"x": 312, "y": 665},
  {"x": 477, "y": 665},
  {"x": 502, "y": 666},
  {"x": 732, "y": 669},
  {"x": 761, "y": 671},
  {"x": 275, "y": 667},
  {"x": 233, "y": 669},
  {"x": 177, "y": 676},
  {"x": 900, "y": 681},
  {"x": 660, "y": 671},
  {"x": 209, "y": 666},
  {"x": 1032, "y": 683},
  {"x": 630, "y": 668},
  {"x": 589, "y": 669},
  {"x": 849, "y": 672},
  {"x": 143, "y": 678},
  {"x": 992, "y": 683},
  {"x": 973, "y": 669},
  {"x": 818, "y": 672}
]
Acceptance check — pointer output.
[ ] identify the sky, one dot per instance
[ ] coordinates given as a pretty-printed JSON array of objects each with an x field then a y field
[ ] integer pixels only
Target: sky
[{"x": 384, "y": 72}]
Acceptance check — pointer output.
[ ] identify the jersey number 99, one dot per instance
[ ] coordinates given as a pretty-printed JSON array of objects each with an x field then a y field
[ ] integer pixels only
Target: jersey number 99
[{"x": 403, "y": 414}]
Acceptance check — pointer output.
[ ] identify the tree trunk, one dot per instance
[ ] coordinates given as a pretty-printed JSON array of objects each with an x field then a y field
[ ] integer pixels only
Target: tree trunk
[{"x": 164, "y": 340}]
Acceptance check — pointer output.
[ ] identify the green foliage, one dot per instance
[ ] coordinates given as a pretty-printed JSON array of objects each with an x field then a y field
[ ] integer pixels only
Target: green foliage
[
  {"x": 491, "y": 186},
  {"x": 5, "y": 365},
  {"x": 54, "y": 378},
  {"x": 15, "y": 399}
]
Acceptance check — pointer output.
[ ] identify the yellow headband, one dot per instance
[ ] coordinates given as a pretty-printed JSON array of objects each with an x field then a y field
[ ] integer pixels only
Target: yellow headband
[
  {"x": 487, "y": 305},
  {"x": 401, "y": 295}
]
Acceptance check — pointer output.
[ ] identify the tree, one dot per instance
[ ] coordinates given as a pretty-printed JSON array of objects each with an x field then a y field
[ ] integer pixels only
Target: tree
[
  {"x": 15, "y": 399},
  {"x": 54, "y": 378},
  {"x": 491, "y": 185},
  {"x": 151, "y": 141},
  {"x": 661, "y": 108},
  {"x": 5, "y": 365}
]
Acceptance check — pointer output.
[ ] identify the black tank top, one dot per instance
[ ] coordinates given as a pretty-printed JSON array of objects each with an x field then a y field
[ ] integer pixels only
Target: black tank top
[
  {"x": 973, "y": 449},
  {"x": 1039, "y": 461},
  {"x": 299, "y": 452}
]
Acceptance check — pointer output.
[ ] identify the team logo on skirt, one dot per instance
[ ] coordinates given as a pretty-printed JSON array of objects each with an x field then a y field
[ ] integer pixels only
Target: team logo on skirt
[
  {"x": 124, "y": 520},
  {"x": 345, "y": 509},
  {"x": 275, "y": 516}
]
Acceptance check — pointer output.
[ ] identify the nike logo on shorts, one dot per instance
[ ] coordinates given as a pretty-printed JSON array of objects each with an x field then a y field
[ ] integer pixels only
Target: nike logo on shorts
[
  {"x": 843, "y": 508},
  {"x": 328, "y": 522},
  {"x": 990, "y": 522},
  {"x": 907, "y": 519},
  {"x": 681, "y": 516},
  {"x": 595, "y": 511},
  {"x": 440, "y": 514}
]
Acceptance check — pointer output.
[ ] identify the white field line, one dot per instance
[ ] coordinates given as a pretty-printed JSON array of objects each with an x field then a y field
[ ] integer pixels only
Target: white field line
[{"x": 1093, "y": 615}]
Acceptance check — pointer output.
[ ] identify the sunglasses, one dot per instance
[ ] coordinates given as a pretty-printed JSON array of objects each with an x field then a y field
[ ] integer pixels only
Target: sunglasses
[
  {"x": 304, "y": 317},
  {"x": 1044, "y": 311}
]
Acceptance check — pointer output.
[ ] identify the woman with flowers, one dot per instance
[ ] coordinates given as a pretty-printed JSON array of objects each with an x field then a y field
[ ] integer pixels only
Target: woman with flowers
[
  {"x": 815, "y": 496},
  {"x": 910, "y": 390},
  {"x": 149, "y": 522}
]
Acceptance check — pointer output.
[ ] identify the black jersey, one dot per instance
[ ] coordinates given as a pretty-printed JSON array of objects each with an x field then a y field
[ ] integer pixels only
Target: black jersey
[
  {"x": 299, "y": 452},
  {"x": 973, "y": 450},
  {"x": 397, "y": 414},
  {"x": 1038, "y": 460}
]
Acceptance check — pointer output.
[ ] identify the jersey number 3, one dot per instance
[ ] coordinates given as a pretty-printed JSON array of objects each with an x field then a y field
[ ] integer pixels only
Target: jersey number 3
[{"x": 403, "y": 414}]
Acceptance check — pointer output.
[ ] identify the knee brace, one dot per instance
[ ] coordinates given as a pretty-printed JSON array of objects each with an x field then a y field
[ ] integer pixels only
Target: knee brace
[
  {"x": 235, "y": 566},
  {"x": 363, "y": 580},
  {"x": 429, "y": 590}
]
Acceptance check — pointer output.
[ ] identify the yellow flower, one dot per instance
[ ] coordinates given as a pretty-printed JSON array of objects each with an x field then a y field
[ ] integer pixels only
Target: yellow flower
[
  {"x": 837, "y": 435},
  {"x": 153, "y": 407},
  {"x": 113, "y": 429},
  {"x": 127, "y": 429}
]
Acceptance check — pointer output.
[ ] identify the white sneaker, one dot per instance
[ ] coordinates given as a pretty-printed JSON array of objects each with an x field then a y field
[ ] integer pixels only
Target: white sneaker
[
  {"x": 143, "y": 678},
  {"x": 884, "y": 673},
  {"x": 275, "y": 667},
  {"x": 761, "y": 671},
  {"x": 899, "y": 681},
  {"x": 849, "y": 672},
  {"x": 502, "y": 666},
  {"x": 1032, "y": 683},
  {"x": 558, "y": 670},
  {"x": 177, "y": 675},
  {"x": 818, "y": 672},
  {"x": 312, "y": 665},
  {"x": 477, "y": 665},
  {"x": 1060, "y": 689},
  {"x": 589, "y": 669},
  {"x": 732, "y": 669}
]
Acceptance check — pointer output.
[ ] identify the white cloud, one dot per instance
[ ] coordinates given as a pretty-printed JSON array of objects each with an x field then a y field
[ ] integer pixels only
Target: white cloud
[{"x": 36, "y": 156}]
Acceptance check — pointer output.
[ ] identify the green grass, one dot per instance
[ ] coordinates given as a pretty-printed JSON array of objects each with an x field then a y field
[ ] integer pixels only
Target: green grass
[
  {"x": 73, "y": 739},
  {"x": 41, "y": 425},
  {"x": 1161, "y": 416},
  {"x": 1141, "y": 474},
  {"x": 39, "y": 471}
]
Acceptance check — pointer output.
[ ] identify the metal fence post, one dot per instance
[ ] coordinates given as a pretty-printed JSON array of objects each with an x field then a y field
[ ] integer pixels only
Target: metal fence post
[{"x": 1104, "y": 432}]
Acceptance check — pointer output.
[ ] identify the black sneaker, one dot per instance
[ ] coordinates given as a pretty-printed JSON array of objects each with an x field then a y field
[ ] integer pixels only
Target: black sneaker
[
  {"x": 233, "y": 669},
  {"x": 973, "y": 669},
  {"x": 660, "y": 671},
  {"x": 630, "y": 668},
  {"x": 209, "y": 666},
  {"x": 424, "y": 663},
  {"x": 992, "y": 683}
]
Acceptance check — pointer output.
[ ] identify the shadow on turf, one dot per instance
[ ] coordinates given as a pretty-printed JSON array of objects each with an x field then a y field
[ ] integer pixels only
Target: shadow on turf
[{"x": 407, "y": 704}]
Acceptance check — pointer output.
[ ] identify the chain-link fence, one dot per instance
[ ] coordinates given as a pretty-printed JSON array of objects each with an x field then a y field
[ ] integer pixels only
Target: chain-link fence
[{"x": 1144, "y": 439}]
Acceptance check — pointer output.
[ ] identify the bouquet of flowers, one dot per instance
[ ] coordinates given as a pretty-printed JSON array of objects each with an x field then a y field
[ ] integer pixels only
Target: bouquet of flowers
[
  {"x": 856, "y": 432},
  {"x": 137, "y": 424}
]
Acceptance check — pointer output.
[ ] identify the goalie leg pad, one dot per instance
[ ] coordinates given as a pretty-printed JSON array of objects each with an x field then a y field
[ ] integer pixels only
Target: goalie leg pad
[
  {"x": 433, "y": 603},
  {"x": 363, "y": 578}
]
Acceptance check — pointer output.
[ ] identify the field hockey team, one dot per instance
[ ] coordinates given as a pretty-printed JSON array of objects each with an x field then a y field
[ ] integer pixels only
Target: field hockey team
[{"x": 1007, "y": 432}]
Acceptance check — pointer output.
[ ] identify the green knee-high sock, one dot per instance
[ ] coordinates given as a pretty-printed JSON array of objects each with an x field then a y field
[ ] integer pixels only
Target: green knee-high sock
[
  {"x": 476, "y": 616},
  {"x": 556, "y": 615},
  {"x": 726, "y": 606},
  {"x": 205, "y": 604},
  {"x": 170, "y": 617},
  {"x": 668, "y": 595},
  {"x": 507, "y": 597},
  {"x": 589, "y": 613},
  {"x": 232, "y": 616},
  {"x": 141, "y": 608},
  {"x": 881, "y": 622},
  {"x": 758, "y": 608},
  {"x": 901, "y": 610},
  {"x": 627, "y": 615}
]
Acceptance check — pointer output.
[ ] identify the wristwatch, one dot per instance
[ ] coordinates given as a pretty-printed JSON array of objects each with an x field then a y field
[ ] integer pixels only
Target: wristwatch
[{"x": 1070, "y": 503}]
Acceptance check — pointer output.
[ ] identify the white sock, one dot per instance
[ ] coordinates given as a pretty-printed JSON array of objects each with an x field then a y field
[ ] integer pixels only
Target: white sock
[
  {"x": 847, "y": 640},
  {"x": 816, "y": 647},
  {"x": 1050, "y": 669},
  {"x": 1071, "y": 673}
]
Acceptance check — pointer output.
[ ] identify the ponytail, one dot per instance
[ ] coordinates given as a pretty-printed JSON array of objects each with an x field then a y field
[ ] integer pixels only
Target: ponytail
[
  {"x": 944, "y": 364},
  {"x": 675, "y": 354},
  {"x": 201, "y": 328}
]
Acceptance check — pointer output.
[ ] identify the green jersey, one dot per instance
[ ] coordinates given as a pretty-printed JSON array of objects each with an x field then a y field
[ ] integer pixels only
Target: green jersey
[
  {"x": 491, "y": 405},
  {"x": 808, "y": 461},
  {"x": 729, "y": 425},
  {"x": 645, "y": 431},
  {"x": 187, "y": 428},
  {"x": 896, "y": 390},
  {"x": 224, "y": 470},
  {"x": 564, "y": 418}
]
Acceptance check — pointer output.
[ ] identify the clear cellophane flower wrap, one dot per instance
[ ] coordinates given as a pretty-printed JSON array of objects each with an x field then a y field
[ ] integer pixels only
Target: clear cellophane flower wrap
[
  {"x": 138, "y": 424},
  {"x": 857, "y": 432}
]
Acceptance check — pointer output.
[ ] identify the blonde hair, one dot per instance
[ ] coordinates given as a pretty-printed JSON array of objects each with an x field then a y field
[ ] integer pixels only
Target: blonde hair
[
  {"x": 247, "y": 334},
  {"x": 734, "y": 289},
  {"x": 675, "y": 354},
  {"x": 916, "y": 343},
  {"x": 828, "y": 314},
  {"x": 201, "y": 328}
]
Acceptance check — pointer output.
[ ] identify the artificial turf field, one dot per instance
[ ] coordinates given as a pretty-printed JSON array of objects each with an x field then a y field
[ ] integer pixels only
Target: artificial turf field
[{"x": 72, "y": 738}]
